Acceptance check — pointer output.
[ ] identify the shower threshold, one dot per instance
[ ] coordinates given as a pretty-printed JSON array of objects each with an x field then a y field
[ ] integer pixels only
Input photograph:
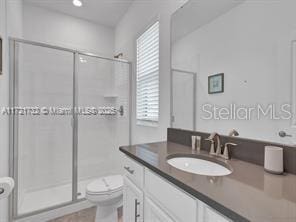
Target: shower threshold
[{"x": 49, "y": 197}]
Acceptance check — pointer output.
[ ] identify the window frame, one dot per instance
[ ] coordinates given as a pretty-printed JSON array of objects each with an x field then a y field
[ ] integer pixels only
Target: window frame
[{"x": 142, "y": 122}]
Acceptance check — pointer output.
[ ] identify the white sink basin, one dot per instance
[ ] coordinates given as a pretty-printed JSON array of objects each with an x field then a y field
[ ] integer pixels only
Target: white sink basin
[{"x": 200, "y": 165}]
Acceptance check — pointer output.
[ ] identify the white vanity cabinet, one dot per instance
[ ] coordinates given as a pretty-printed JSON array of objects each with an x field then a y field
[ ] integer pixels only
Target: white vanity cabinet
[
  {"x": 179, "y": 205},
  {"x": 133, "y": 195},
  {"x": 207, "y": 214},
  {"x": 150, "y": 198},
  {"x": 154, "y": 213},
  {"x": 132, "y": 202}
]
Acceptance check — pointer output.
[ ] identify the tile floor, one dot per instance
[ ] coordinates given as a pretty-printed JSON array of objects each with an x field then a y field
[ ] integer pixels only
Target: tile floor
[{"x": 87, "y": 215}]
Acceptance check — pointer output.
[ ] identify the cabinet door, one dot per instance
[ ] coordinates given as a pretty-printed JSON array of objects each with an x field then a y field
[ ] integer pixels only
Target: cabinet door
[
  {"x": 152, "y": 213},
  {"x": 171, "y": 198},
  {"x": 207, "y": 214},
  {"x": 132, "y": 202}
]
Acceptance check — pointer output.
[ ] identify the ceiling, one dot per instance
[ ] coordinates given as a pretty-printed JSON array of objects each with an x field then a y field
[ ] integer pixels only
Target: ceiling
[
  {"x": 194, "y": 14},
  {"x": 104, "y": 12}
]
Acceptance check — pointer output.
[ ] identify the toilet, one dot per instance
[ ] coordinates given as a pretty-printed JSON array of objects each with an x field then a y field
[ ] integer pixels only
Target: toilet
[{"x": 106, "y": 193}]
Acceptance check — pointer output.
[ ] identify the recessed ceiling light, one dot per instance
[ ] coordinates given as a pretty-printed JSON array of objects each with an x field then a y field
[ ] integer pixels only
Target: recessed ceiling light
[{"x": 77, "y": 3}]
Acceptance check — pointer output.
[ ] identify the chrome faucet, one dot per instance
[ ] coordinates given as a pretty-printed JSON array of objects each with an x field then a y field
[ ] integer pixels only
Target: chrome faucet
[
  {"x": 213, "y": 151},
  {"x": 218, "y": 150},
  {"x": 226, "y": 151},
  {"x": 225, "y": 154},
  {"x": 233, "y": 132}
]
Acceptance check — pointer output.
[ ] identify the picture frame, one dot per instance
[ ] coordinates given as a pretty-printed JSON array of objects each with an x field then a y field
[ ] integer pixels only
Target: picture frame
[{"x": 216, "y": 83}]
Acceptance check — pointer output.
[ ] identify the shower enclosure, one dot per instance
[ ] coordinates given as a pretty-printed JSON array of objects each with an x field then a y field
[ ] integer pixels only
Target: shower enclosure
[{"x": 71, "y": 113}]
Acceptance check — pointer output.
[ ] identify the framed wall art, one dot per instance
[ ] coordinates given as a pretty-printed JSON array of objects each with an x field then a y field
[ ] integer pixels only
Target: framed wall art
[{"x": 216, "y": 83}]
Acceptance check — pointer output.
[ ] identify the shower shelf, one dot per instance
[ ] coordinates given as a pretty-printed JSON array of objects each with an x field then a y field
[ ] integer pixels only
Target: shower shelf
[{"x": 111, "y": 96}]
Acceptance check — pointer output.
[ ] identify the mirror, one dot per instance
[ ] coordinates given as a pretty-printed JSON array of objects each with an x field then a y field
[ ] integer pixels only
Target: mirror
[{"x": 234, "y": 67}]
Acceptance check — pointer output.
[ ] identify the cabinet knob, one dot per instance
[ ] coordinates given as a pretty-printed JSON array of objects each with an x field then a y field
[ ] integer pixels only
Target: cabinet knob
[{"x": 128, "y": 169}]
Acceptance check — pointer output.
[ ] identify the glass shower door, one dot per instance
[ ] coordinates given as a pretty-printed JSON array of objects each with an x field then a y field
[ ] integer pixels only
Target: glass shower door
[
  {"x": 103, "y": 85},
  {"x": 43, "y": 80},
  {"x": 56, "y": 152}
]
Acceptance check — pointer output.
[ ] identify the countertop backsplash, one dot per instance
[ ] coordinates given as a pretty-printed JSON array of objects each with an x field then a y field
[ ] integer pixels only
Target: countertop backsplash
[{"x": 248, "y": 150}]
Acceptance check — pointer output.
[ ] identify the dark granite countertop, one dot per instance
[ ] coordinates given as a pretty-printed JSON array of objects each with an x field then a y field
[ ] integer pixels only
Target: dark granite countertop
[{"x": 248, "y": 194}]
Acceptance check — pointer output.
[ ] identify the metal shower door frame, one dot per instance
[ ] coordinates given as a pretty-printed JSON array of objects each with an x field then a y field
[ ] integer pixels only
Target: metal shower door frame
[{"x": 13, "y": 121}]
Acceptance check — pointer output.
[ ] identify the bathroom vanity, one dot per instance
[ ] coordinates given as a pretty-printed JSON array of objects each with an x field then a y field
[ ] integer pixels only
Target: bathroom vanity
[
  {"x": 156, "y": 191},
  {"x": 150, "y": 197}
]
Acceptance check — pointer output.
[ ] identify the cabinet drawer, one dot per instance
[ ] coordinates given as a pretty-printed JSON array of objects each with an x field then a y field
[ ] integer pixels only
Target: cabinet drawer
[
  {"x": 177, "y": 203},
  {"x": 134, "y": 171}
]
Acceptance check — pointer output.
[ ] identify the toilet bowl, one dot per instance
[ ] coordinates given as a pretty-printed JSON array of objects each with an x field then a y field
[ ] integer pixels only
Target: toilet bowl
[{"x": 106, "y": 193}]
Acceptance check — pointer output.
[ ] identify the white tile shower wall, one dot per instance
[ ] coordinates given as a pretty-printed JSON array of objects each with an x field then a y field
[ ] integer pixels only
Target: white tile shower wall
[
  {"x": 136, "y": 20},
  {"x": 55, "y": 28},
  {"x": 102, "y": 83},
  {"x": 121, "y": 89},
  {"x": 251, "y": 44}
]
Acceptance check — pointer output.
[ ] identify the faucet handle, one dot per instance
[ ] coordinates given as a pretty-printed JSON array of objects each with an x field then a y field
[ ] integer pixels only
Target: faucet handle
[
  {"x": 226, "y": 152},
  {"x": 212, "y": 148},
  {"x": 212, "y": 135},
  {"x": 232, "y": 144}
]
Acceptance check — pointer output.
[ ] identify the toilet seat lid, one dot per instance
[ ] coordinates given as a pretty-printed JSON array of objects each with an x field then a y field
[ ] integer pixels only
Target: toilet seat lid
[{"x": 108, "y": 184}]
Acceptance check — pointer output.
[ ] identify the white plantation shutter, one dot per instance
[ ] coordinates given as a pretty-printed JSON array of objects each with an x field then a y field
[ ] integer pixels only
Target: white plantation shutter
[{"x": 148, "y": 75}]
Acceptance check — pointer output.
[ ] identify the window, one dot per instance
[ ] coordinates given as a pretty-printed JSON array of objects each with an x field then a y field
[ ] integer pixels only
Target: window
[{"x": 148, "y": 75}]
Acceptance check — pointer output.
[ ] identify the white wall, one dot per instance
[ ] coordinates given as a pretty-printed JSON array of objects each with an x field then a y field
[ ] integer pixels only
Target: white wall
[
  {"x": 15, "y": 18},
  {"x": 3, "y": 120},
  {"x": 48, "y": 26},
  {"x": 10, "y": 25},
  {"x": 139, "y": 16},
  {"x": 251, "y": 44}
]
